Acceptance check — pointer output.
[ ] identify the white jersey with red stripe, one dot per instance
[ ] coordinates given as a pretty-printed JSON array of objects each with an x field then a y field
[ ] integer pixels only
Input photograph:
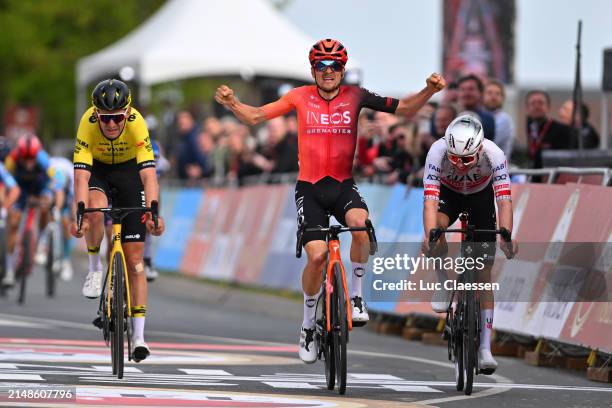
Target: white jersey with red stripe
[{"x": 491, "y": 167}]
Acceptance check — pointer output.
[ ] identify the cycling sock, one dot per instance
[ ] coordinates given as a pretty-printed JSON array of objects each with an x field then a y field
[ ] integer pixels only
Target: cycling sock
[
  {"x": 356, "y": 278},
  {"x": 94, "y": 258},
  {"x": 310, "y": 310},
  {"x": 486, "y": 326},
  {"x": 10, "y": 261},
  {"x": 148, "y": 247},
  {"x": 138, "y": 321}
]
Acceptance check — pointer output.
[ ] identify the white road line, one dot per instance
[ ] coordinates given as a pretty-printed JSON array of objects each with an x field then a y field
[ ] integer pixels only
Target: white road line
[
  {"x": 108, "y": 369},
  {"x": 291, "y": 385},
  {"x": 374, "y": 377},
  {"x": 410, "y": 388},
  {"x": 21, "y": 377},
  {"x": 195, "y": 371}
]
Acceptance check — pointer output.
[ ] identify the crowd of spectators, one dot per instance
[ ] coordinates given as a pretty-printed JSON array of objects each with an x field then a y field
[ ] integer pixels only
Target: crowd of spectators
[{"x": 390, "y": 149}]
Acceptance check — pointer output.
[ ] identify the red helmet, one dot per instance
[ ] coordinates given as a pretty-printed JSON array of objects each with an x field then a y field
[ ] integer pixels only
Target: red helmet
[
  {"x": 328, "y": 49},
  {"x": 28, "y": 147}
]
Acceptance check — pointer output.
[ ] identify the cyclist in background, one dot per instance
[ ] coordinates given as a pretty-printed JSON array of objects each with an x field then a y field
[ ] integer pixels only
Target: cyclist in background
[
  {"x": 161, "y": 165},
  {"x": 63, "y": 215},
  {"x": 465, "y": 172},
  {"x": 9, "y": 193},
  {"x": 29, "y": 164},
  {"x": 327, "y": 117},
  {"x": 113, "y": 157}
]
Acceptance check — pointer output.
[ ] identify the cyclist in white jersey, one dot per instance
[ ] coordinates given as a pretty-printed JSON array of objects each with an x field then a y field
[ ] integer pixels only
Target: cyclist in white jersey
[
  {"x": 64, "y": 216},
  {"x": 465, "y": 172}
]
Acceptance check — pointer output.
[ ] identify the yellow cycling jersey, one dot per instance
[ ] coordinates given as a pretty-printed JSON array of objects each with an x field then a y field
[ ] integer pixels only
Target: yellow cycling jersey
[{"x": 133, "y": 143}]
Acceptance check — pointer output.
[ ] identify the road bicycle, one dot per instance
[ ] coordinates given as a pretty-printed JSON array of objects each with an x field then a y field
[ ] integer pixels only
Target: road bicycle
[
  {"x": 462, "y": 323},
  {"x": 114, "y": 309},
  {"x": 334, "y": 321}
]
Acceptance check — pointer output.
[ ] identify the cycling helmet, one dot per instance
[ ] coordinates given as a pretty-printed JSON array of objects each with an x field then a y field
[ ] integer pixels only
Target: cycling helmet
[
  {"x": 328, "y": 49},
  {"x": 28, "y": 147},
  {"x": 111, "y": 94},
  {"x": 5, "y": 147},
  {"x": 464, "y": 136}
]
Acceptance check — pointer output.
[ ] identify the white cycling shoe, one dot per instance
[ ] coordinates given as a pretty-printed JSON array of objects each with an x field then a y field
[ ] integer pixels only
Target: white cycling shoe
[
  {"x": 93, "y": 285},
  {"x": 40, "y": 257},
  {"x": 66, "y": 270},
  {"x": 9, "y": 278},
  {"x": 151, "y": 273},
  {"x": 486, "y": 362},
  {"x": 140, "y": 350},
  {"x": 308, "y": 346},
  {"x": 440, "y": 300},
  {"x": 359, "y": 311}
]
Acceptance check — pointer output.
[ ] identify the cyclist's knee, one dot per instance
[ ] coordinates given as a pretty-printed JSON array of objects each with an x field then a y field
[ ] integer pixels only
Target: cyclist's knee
[
  {"x": 356, "y": 217},
  {"x": 317, "y": 254}
]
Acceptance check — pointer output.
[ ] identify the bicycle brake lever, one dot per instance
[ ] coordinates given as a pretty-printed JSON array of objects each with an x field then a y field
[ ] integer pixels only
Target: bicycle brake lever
[
  {"x": 155, "y": 212},
  {"x": 79, "y": 215}
]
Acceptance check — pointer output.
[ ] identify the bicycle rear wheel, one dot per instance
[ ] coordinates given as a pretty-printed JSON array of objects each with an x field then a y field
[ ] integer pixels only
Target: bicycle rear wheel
[
  {"x": 118, "y": 312},
  {"x": 25, "y": 264},
  {"x": 50, "y": 273},
  {"x": 340, "y": 331}
]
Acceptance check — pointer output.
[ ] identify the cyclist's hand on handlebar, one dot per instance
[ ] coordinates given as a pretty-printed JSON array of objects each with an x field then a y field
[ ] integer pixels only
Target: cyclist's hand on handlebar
[
  {"x": 426, "y": 247},
  {"x": 151, "y": 226},
  {"x": 510, "y": 249},
  {"x": 83, "y": 231}
]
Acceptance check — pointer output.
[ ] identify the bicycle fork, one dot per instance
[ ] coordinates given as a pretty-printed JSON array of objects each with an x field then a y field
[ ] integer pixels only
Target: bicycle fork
[{"x": 334, "y": 258}]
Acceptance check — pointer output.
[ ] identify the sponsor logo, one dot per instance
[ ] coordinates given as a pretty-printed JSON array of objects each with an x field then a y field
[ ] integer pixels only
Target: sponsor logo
[
  {"x": 343, "y": 104},
  {"x": 433, "y": 177},
  {"x": 133, "y": 236},
  {"x": 93, "y": 119},
  {"x": 311, "y": 302},
  {"x": 502, "y": 187},
  {"x": 434, "y": 168},
  {"x": 500, "y": 167},
  {"x": 315, "y": 118},
  {"x": 132, "y": 117},
  {"x": 82, "y": 143},
  {"x": 500, "y": 177}
]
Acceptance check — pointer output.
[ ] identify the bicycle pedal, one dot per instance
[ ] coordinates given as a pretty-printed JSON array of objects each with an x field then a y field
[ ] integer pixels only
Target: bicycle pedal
[
  {"x": 487, "y": 371},
  {"x": 98, "y": 323},
  {"x": 359, "y": 323}
]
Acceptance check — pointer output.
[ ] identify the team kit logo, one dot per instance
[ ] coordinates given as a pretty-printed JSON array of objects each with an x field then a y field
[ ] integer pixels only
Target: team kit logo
[{"x": 317, "y": 122}]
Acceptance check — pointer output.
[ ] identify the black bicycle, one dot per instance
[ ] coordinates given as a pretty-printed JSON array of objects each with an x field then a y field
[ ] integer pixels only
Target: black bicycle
[
  {"x": 462, "y": 324},
  {"x": 334, "y": 320},
  {"x": 114, "y": 310}
]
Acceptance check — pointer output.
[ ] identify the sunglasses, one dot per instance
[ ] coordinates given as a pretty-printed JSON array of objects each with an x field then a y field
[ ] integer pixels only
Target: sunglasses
[
  {"x": 463, "y": 160},
  {"x": 322, "y": 66},
  {"x": 115, "y": 117}
]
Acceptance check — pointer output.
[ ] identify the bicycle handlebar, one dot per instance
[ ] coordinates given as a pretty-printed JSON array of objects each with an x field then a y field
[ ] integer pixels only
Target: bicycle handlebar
[
  {"x": 334, "y": 230},
  {"x": 117, "y": 212},
  {"x": 435, "y": 233}
]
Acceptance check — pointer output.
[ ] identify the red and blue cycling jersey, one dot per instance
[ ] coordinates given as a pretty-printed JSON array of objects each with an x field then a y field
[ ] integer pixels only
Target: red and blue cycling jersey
[{"x": 327, "y": 130}]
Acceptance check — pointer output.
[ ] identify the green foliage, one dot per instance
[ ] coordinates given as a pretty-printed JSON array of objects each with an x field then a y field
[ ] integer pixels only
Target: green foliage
[{"x": 41, "y": 42}]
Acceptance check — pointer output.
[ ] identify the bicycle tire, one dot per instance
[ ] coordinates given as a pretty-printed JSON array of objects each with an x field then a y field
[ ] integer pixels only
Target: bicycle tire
[
  {"x": 470, "y": 343},
  {"x": 25, "y": 264},
  {"x": 328, "y": 347},
  {"x": 2, "y": 258},
  {"x": 118, "y": 311},
  {"x": 457, "y": 340},
  {"x": 50, "y": 273},
  {"x": 340, "y": 331}
]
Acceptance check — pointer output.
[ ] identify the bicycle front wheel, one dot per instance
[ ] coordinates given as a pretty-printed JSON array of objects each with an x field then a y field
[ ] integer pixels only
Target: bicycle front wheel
[
  {"x": 327, "y": 343},
  {"x": 470, "y": 342},
  {"x": 25, "y": 264},
  {"x": 118, "y": 312},
  {"x": 2, "y": 254},
  {"x": 50, "y": 273},
  {"x": 340, "y": 330}
]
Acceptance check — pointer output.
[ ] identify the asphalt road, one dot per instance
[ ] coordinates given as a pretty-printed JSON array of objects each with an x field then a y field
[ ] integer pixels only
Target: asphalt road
[{"x": 224, "y": 347}]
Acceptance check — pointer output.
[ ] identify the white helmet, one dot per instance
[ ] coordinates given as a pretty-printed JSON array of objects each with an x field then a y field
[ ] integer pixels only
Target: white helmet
[{"x": 464, "y": 135}]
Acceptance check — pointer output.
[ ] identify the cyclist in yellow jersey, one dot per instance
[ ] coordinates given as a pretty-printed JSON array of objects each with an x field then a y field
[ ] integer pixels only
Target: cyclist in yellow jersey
[{"x": 113, "y": 159}]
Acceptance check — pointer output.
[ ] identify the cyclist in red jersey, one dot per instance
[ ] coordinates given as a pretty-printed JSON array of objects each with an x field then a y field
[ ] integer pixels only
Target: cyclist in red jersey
[{"x": 327, "y": 115}]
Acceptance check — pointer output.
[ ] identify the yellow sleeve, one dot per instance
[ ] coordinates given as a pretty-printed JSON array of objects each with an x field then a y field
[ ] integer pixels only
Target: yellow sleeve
[
  {"x": 141, "y": 141},
  {"x": 83, "y": 157}
]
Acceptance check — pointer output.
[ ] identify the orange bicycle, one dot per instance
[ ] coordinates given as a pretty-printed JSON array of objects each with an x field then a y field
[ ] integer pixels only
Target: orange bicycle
[{"x": 334, "y": 321}]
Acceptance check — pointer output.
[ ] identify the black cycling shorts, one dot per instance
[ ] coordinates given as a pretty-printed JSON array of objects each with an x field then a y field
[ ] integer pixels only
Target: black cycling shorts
[
  {"x": 327, "y": 196},
  {"x": 480, "y": 207},
  {"x": 123, "y": 187}
]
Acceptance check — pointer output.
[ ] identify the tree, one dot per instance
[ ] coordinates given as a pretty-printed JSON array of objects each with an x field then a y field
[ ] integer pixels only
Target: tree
[{"x": 41, "y": 42}]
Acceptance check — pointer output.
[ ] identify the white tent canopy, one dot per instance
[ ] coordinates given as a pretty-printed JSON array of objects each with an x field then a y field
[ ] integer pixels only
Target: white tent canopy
[{"x": 189, "y": 38}]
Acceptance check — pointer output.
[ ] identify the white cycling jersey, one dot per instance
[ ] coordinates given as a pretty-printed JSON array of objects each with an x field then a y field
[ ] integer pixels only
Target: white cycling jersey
[
  {"x": 66, "y": 167},
  {"x": 491, "y": 167}
]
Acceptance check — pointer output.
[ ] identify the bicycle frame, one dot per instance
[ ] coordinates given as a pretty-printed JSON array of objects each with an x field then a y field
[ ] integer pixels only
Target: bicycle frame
[
  {"x": 117, "y": 248},
  {"x": 334, "y": 258}
]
